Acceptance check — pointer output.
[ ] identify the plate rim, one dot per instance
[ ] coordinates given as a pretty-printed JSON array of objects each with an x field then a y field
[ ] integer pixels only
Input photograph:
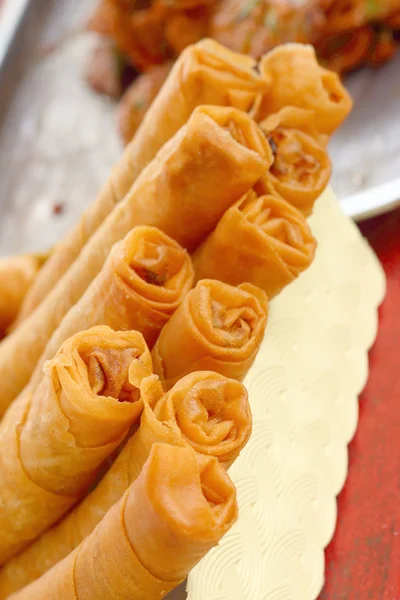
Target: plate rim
[{"x": 373, "y": 201}]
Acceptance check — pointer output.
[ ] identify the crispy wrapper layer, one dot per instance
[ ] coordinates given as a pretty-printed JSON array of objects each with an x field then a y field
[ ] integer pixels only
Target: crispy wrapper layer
[
  {"x": 298, "y": 80},
  {"x": 17, "y": 274},
  {"x": 54, "y": 439},
  {"x": 205, "y": 410},
  {"x": 141, "y": 284},
  {"x": 211, "y": 412},
  {"x": 138, "y": 98},
  {"x": 210, "y": 163},
  {"x": 179, "y": 507},
  {"x": 301, "y": 169},
  {"x": 276, "y": 245},
  {"x": 217, "y": 327},
  {"x": 206, "y": 73}
]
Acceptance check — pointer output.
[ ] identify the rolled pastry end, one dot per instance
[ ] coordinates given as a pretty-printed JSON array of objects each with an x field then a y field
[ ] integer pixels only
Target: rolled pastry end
[
  {"x": 212, "y": 413},
  {"x": 178, "y": 509},
  {"x": 98, "y": 374},
  {"x": 298, "y": 80},
  {"x": 218, "y": 327},
  {"x": 301, "y": 168},
  {"x": 276, "y": 243},
  {"x": 154, "y": 266}
]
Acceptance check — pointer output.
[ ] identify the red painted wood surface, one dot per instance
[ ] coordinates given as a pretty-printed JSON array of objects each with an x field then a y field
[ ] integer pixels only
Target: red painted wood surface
[{"x": 363, "y": 559}]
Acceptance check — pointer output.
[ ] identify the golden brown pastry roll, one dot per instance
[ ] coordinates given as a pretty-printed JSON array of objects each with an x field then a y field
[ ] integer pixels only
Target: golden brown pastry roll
[
  {"x": 217, "y": 327},
  {"x": 206, "y": 73},
  {"x": 298, "y": 80},
  {"x": 141, "y": 284},
  {"x": 302, "y": 168},
  {"x": 210, "y": 163},
  {"x": 179, "y": 497},
  {"x": 276, "y": 245},
  {"x": 205, "y": 410},
  {"x": 212, "y": 413},
  {"x": 16, "y": 276},
  {"x": 137, "y": 99},
  {"x": 54, "y": 439}
]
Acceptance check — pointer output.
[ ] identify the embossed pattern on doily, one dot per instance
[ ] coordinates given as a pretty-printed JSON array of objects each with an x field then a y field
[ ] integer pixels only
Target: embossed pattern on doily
[{"x": 303, "y": 390}]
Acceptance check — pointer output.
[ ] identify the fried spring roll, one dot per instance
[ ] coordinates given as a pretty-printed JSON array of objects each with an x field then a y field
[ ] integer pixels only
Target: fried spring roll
[
  {"x": 301, "y": 169},
  {"x": 141, "y": 284},
  {"x": 205, "y": 410},
  {"x": 276, "y": 245},
  {"x": 53, "y": 441},
  {"x": 217, "y": 327},
  {"x": 17, "y": 274},
  {"x": 137, "y": 99},
  {"x": 298, "y": 80},
  {"x": 211, "y": 412},
  {"x": 173, "y": 514},
  {"x": 210, "y": 163},
  {"x": 206, "y": 73}
]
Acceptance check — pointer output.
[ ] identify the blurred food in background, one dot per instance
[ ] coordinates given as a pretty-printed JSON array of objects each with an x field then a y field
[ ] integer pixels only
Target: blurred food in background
[{"x": 141, "y": 38}]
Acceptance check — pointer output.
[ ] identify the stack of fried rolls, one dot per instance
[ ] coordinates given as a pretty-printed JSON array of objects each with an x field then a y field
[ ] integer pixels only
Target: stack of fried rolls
[
  {"x": 206, "y": 73},
  {"x": 144, "y": 279},
  {"x": 276, "y": 243},
  {"x": 217, "y": 327},
  {"x": 206, "y": 411},
  {"x": 177, "y": 509},
  {"x": 122, "y": 399},
  {"x": 54, "y": 439},
  {"x": 216, "y": 157}
]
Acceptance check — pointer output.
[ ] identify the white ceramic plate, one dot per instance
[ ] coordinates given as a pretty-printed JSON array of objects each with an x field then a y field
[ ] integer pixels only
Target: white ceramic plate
[{"x": 366, "y": 150}]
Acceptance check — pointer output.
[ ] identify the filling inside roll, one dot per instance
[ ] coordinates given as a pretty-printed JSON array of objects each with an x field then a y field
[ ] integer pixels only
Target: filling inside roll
[
  {"x": 223, "y": 321},
  {"x": 288, "y": 233},
  {"x": 218, "y": 328},
  {"x": 96, "y": 376},
  {"x": 108, "y": 373},
  {"x": 155, "y": 266},
  {"x": 298, "y": 160},
  {"x": 211, "y": 411},
  {"x": 301, "y": 167}
]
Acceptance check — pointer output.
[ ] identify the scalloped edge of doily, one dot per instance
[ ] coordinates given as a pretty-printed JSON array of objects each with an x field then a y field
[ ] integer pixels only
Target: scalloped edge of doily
[{"x": 202, "y": 581}]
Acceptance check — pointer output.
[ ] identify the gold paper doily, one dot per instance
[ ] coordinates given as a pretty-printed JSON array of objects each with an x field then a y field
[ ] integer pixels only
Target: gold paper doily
[{"x": 304, "y": 391}]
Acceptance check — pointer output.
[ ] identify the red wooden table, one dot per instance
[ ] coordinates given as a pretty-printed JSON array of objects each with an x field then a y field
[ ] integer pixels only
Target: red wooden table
[{"x": 363, "y": 559}]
